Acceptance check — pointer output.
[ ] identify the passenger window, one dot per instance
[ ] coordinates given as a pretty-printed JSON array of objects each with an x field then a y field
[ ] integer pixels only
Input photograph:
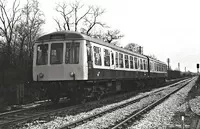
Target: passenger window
[
  {"x": 56, "y": 53},
  {"x": 136, "y": 62},
  {"x": 42, "y": 54},
  {"x": 126, "y": 61},
  {"x": 97, "y": 55},
  {"x": 156, "y": 67},
  {"x": 106, "y": 57},
  {"x": 141, "y": 64},
  {"x": 144, "y": 64},
  {"x": 89, "y": 51},
  {"x": 121, "y": 62},
  {"x": 131, "y": 62},
  {"x": 116, "y": 59},
  {"x": 112, "y": 56},
  {"x": 151, "y": 66},
  {"x": 72, "y": 53}
]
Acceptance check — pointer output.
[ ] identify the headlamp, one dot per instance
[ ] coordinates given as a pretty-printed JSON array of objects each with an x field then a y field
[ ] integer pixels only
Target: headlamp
[
  {"x": 41, "y": 75},
  {"x": 72, "y": 74}
]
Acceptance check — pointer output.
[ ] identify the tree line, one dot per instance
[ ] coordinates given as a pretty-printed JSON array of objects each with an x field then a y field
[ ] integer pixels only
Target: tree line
[{"x": 21, "y": 25}]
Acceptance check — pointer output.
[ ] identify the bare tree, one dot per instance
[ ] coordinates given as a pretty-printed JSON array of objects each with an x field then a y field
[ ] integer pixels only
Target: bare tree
[
  {"x": 76, "y": 7},
  {"x": 29, "y": 28},
  {"x": 78, "y": 17},
  {"x": 112, "y": 35},
  {"x": 8, "y": 21},
  {"x": 92, "y": 19},
  {"x": 134, "y": 48},
  {"x": 66, "y": 13},
  {"x": 34, "y": 21},
  {"x": 70, "y": 15},
  {"x": 152, "y": 56},
  {"x": 27, "y": 31}
]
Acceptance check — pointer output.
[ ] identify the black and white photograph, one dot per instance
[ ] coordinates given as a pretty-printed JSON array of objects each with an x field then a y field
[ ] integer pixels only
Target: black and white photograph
[{"x": 99, "y": 64}]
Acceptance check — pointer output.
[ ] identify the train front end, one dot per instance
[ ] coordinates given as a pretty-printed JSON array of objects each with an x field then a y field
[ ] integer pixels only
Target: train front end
[
  {"x": 59, "y": 57},
  {"x": 59, "y": 63}
]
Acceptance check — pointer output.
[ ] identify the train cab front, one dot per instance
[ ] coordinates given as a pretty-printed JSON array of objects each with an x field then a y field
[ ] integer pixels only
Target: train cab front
[{"x": 59, "y": 61}]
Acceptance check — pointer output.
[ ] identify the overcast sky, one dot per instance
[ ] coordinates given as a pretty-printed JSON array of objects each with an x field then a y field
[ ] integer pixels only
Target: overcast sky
[{"x": 165, "y": 28}]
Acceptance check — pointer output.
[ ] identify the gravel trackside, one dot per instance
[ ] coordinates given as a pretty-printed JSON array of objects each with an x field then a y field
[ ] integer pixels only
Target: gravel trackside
[
  {"x": 161, "y": 116},
  {"x": 66, "y": 118},
  {"x": 195, "y": 105},
  {"x": 87, "y": 110}
]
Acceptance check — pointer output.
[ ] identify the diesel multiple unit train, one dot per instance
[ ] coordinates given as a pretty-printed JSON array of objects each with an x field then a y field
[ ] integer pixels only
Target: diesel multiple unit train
[{"x": 72, "y": 64}]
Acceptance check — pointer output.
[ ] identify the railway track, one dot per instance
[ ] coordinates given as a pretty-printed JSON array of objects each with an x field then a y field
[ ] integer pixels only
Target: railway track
[
  {"x": 25, "y": 115},
  {"x": 92, "y": 117},
  {"x": 8, "y": 119},
  {"x": 129, "y": 120}
]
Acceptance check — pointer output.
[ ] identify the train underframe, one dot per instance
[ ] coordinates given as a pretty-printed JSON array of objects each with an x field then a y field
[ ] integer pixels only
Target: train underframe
[{"x": 81, "y": 91}]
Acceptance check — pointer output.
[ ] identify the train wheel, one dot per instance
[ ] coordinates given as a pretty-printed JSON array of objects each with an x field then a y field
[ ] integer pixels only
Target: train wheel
[
  {"x": 118, "y": 86},
  {"x": 142, "y": 84},
  {"x": 54, "y": 92},
  {"x": 98, "y": 96},
  {"x": 83, "y": 101},
  {"x": 55, "y": 100}
]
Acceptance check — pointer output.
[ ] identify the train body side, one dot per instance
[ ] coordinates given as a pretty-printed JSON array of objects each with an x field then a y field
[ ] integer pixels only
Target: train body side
[
  {"x": 75, "y": 65},
  {"x": 86, "y": 69}
]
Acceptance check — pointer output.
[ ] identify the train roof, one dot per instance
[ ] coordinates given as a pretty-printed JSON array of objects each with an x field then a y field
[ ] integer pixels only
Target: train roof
[{"x": 71, "y": 35}]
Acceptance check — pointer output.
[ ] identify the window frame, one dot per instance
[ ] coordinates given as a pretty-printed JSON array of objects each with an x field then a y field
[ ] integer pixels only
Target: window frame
[
  {"x": 74, "y": 44},
  {"x": 51, "y": 63},
  {"x": 144, "y": 64},
  {"x": 112, "y": 58},
  {"x": 121, "y": 58},
  {"x": 100, "y": 53},
  {"x": 47, "y": 52},
  {"x": 131, "y": 62},
  {"x": 141, "y": 64},
  {"x": 136, "y": 62},
  {"x": 106, "y": 57},
  {"x": 126, "y": 60},
  {"x": 117, "y": 59}
]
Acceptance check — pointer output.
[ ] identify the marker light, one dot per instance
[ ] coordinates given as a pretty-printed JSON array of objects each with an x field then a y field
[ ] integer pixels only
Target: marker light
[
  {"x": 41, "y": 75},
  {"x": 72, "y": 74}
]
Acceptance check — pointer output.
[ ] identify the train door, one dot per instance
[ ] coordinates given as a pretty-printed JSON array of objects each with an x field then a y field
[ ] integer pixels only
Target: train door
[
  {"x": 89, "y": 55},
  {"x": 112, "y": 66}
]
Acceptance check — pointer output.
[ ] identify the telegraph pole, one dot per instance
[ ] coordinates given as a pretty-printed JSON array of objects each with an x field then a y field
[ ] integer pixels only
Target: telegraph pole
[
  {"x": 179, "y": 66},
  {"x": 168, "y": 61}
]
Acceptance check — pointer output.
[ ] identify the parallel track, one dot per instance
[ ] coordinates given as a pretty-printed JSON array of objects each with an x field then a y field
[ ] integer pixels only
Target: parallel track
[
  {"x": 89, "y": 118},
  {"x": 135, "y": 115},
  {"x": 26, "y": 115}
]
